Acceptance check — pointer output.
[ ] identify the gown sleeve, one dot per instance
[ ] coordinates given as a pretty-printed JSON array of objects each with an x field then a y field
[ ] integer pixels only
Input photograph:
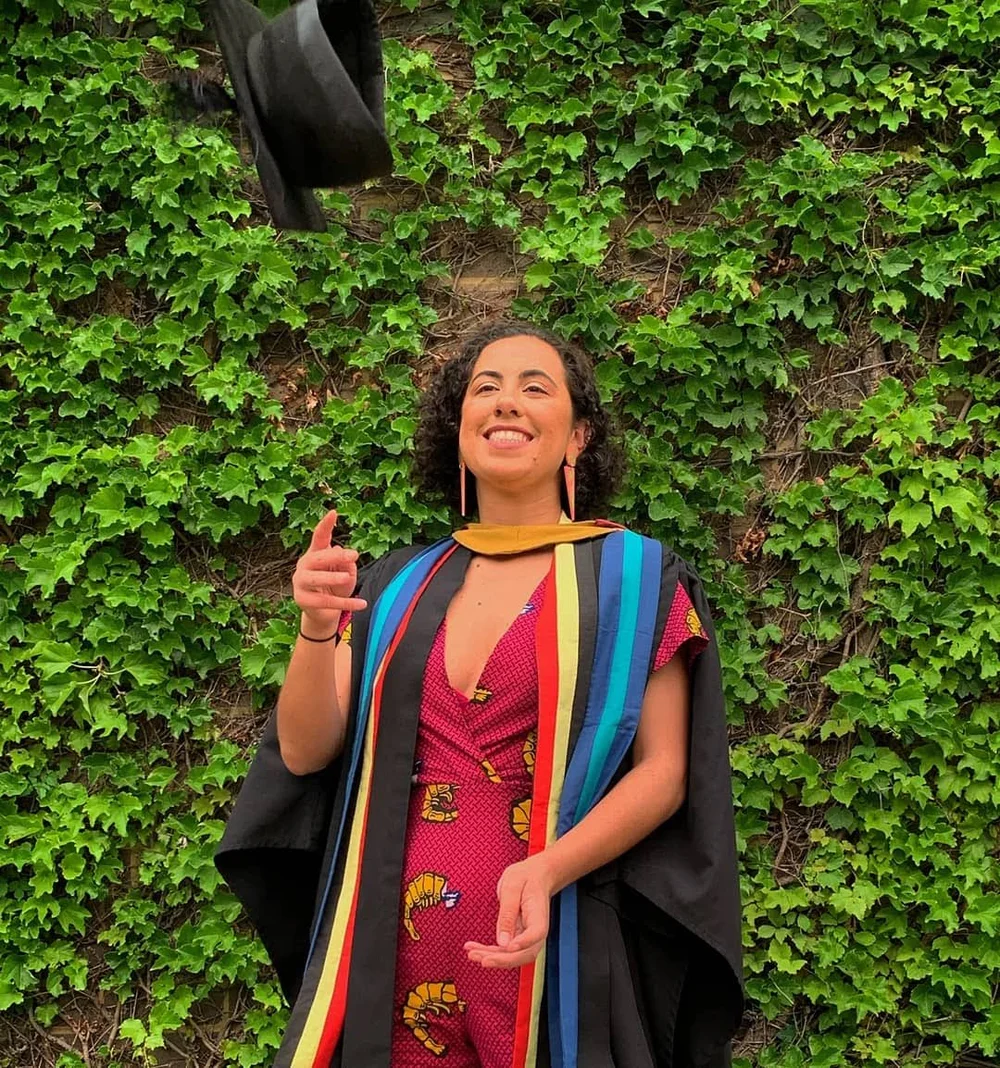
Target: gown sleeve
[
  {"x": 661, "y": 925},
  {"x": 683, "y": 878}
]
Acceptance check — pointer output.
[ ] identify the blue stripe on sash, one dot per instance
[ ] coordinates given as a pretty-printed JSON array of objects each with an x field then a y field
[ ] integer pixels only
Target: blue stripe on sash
[
  {"x": 621, "y": 670},
  {"x": 609, "y": 627},
  {"x": 650, "y": 570},
  {"x": 387, "y": 613},
  {"x": 629, "y": 589}
]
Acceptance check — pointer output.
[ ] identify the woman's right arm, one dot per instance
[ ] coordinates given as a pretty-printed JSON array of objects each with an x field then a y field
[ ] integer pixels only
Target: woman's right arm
[
  {"x": 314, "y": 703},
  {"x": 315, "y": 698}
]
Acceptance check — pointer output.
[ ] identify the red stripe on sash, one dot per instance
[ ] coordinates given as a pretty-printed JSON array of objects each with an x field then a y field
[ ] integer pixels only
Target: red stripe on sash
[
  {"x": 547, "y": 653},
  {"x": 334, "y": 1026}
]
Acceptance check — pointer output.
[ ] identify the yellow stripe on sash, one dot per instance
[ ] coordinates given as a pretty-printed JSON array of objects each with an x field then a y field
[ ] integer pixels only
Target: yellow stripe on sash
[{"x": 312, "y": 1031}]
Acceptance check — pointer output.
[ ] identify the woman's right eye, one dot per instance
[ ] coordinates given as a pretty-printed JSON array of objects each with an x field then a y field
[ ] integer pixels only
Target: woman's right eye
[{"x": 533, "y": 385}]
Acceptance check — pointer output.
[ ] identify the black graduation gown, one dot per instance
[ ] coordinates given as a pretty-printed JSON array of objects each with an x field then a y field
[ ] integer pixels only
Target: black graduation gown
[{"x": 661, "y": 979}]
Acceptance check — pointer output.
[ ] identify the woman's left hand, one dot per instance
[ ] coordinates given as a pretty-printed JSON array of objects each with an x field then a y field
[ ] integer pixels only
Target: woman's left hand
[{"x": 524, "y": 892}]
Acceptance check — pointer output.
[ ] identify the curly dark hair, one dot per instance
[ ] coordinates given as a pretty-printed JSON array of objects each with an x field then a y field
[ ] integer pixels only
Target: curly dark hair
[{"x": 599, "y": 467}]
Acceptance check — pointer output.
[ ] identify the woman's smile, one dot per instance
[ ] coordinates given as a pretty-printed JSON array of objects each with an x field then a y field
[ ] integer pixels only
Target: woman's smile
[
  {"x": 508, "y": 439},
  {"x": 504, "y": 442}
]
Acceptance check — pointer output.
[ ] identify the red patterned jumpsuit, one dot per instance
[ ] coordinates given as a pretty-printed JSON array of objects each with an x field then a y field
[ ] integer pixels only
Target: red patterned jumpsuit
[{"x": 467, "y": 822}]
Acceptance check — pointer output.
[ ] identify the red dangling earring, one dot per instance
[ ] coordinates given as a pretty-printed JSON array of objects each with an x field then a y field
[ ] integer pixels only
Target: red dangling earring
[
  {"x": 461, "y": 486},
  {"x": 569, "y": 473}
]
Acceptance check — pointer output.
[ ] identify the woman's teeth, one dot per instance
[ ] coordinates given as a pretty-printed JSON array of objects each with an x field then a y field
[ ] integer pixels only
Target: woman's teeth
[{"x": 508, "y": 435}]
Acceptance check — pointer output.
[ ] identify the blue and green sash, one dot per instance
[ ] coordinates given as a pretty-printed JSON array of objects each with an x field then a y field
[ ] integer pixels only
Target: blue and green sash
[
  {"x": 567, "y": 784},
  {"x": 628, "y": 598}
]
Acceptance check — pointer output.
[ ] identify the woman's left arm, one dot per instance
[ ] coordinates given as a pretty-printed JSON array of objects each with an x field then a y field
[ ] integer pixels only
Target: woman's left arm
[{"x": 649, "y": 793}]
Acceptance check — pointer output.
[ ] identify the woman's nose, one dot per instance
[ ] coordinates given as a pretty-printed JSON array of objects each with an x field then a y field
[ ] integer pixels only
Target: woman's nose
[{"x": 505, "y": 401}]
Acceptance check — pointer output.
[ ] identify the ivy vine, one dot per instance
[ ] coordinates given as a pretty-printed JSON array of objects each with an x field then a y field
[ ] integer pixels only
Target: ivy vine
[{"x": 775, "y": 227}]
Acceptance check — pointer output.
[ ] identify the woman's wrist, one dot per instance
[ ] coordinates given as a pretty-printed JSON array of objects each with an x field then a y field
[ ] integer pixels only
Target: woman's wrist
[
  {"x": 317, "y": 632},
  {"x": 551, "y": 868}
]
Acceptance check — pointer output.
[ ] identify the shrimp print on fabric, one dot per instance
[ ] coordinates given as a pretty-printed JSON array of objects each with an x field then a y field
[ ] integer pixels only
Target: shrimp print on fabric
[
  {"x": 428, "y": 888},
  {"x": 439, "y": 802}
]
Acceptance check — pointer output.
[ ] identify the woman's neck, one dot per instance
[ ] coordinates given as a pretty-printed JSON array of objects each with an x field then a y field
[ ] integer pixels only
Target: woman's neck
[{"x": 519, "y": 513}]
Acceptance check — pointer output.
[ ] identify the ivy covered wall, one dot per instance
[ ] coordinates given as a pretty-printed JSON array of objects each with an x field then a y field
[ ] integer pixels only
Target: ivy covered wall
[{"x": 775, "y": 226}]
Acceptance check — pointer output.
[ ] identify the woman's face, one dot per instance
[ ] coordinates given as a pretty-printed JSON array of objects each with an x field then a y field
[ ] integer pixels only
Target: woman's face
[{"x": 518, "y": 383}]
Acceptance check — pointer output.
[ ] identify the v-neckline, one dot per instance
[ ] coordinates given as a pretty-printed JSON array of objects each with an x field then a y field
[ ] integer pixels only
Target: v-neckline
[{"x": 489, "y": 660}]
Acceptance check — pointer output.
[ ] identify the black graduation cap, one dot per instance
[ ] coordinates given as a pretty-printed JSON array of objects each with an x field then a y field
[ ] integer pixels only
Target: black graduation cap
[{"x": 309, "y": 86}]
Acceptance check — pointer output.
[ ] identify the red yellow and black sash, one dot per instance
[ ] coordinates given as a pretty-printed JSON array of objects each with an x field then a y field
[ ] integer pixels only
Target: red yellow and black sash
[{"x": 566, "y": 784}]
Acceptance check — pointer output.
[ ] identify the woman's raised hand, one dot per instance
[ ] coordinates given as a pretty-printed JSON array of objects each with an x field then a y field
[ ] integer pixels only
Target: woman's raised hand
[{"x": 325, "y": 577}]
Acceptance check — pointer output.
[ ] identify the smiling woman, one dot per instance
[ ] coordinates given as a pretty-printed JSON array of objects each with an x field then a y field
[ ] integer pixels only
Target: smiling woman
[
  {"x": 553, "y": 382},
  {"x": 525, "y": 766},
  {"x": 517, "y": 426}
]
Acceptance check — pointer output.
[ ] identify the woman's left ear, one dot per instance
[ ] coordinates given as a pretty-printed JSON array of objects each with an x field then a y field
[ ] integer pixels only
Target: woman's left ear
[{"x": 581, "y": 435}]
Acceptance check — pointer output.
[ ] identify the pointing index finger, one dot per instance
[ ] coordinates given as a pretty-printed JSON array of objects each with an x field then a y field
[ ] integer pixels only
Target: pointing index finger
[{"x": 324, "y": 531}]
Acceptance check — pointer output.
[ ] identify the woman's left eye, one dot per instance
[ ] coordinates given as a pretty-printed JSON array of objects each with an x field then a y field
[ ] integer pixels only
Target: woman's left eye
[{"x": 489, "y": 388}]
